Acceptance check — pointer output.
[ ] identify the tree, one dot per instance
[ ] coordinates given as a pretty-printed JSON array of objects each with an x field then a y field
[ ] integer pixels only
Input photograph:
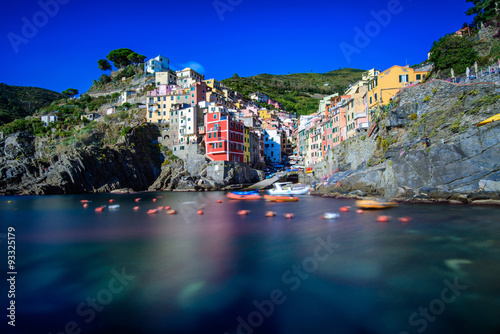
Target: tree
[
  {"x": 454, "y": 52},
  {"x": 482, "y": 10},
  {"x": 70, "y": 92},
  {"x": 119, "y": 57},
  {"x": 104, "y": 65},
  {"x": 136, "y": 58}
]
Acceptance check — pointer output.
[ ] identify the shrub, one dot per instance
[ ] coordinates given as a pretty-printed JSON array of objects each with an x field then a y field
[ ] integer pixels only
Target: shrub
[
  {"x": 413, "y": 116},
  {"x": 434, "y": 90},
  {"x": 427, "y": 98}
]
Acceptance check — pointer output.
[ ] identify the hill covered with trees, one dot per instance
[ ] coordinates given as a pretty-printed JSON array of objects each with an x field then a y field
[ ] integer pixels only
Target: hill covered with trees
[
  {"x": 19, "y": 102},
  {"x": 299, "y": 92}
]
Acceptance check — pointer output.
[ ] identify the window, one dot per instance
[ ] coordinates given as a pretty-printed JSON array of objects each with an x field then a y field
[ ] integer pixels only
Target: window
[
  {"x": 419, "y": 76},
  {"x": 370, "y": 100},
  {"x": 158, "y": 98},
  {"x": 150, "y": 115},
  {"x": 209, "y": 135},
  {"x": 403, "y": 78},
  {"x": 215, "y": 115},
  {"x": 220, "y": 144},
  {"x": 376, "y": 97},
  {"x": 164, "y": 98}
]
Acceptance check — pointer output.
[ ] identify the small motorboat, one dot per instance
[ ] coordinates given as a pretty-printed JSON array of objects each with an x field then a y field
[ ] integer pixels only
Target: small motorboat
[
  {"x": 331, "y": 215},
  {"x": 251, "y": 196},
  {"x": 247, "y": 192},
  {"x": 288, "y": 188},
  {"x": 375, "y": 204},
  {"x": 271, "y": 198}
]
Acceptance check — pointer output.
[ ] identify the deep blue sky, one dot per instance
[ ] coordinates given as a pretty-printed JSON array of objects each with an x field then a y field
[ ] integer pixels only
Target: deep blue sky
[{"x": 257, "y": 36}]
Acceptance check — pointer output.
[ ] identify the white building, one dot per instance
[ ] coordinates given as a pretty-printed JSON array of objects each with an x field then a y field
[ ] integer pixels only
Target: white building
[
  {"x": 165, "y": 78},
  {"x": 157, "y": 64},
  {"x": 188, "y": 76},
  {"x": 49, "y": 119},
  {"x": 259, "y": 97},
  {"x": 272, "y": 145}
]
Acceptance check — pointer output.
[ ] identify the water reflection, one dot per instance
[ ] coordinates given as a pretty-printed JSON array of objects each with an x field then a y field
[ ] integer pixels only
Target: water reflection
[{"x": 206, "y": 273}]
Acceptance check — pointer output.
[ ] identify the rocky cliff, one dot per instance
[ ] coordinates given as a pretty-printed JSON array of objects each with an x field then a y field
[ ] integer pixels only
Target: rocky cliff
[
  {"x": 133, "y": 163},
  {"x": 427, "y": 148},
  {"x": 182, "y": 175}
]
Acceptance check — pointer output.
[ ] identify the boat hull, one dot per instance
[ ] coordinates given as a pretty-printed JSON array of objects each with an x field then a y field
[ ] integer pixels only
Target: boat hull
[
  {"x": 375, "y": 205},
  {"x": 271, "y": 198},
  {"x": 243, "y": 197}
]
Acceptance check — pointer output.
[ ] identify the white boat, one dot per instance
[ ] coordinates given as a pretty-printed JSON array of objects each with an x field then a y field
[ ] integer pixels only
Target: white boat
[{"x": 288, "y": 188}]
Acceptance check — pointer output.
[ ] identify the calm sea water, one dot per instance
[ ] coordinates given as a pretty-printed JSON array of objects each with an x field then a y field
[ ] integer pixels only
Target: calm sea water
[{"x": 124, "y": 271}]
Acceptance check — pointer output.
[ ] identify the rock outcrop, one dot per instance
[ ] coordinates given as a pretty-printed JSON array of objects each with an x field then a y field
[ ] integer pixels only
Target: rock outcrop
[
  {"x": 459, "y": 164},
  {"x": 134, "y": 163},
  {"x": 216, "y": 175}
]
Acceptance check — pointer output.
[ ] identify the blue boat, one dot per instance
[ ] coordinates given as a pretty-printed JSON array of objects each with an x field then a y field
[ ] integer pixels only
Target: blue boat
[{"x": 248, "y": 192}]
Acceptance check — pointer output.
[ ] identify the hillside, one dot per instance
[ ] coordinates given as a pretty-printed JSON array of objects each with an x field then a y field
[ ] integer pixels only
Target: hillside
[
  {"x": 296, "y": 91},
  {"x": 19, "y": 102}
]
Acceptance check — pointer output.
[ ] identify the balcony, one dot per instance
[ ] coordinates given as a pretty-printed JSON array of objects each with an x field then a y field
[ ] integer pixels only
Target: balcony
[{"x": 360, "y": 115}]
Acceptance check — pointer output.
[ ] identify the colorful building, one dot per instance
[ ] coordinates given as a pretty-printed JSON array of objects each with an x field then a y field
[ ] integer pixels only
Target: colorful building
[
  {"x": 224, "y": 135},
  {"x": 157, "y": 64},
  {"x": 384, "y": 86}
]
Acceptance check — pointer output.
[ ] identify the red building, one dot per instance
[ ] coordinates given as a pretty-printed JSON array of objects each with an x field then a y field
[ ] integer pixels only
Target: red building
[{"x": 224, "y": 135}]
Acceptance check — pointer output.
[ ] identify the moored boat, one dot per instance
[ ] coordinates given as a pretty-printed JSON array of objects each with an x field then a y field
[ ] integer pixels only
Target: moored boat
[
  {"x": 251, "y": 196},
  {"x": 272, "y": 198},
  {"x": 288, "y": 188},
  {"x": 375, "y": 204}
]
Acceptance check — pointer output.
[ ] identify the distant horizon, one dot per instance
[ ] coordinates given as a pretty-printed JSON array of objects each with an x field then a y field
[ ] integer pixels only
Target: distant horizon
[{"x": 55, "y": 44}]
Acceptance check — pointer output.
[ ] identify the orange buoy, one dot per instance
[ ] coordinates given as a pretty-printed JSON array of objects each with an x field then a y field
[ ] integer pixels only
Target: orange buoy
[
  {"x": 159, "y": 196},
  {"x": 200, "y": 212},
  {"x": 137, "y": 199},
  {"x": 404, "y": 219},
  {"x": 289, "y": 215},
  {"x": 154, "y": 199},
  {"x": 82, "y": 201},
  {"x": 219, "y": 201},
  {"x": 111, "y": 200},
  {"x": 85, "y": 205},
  {"x": 171, "y": 212},
  {"x": 383, "y": 219},
  {"x": 243, "y": 212},
  {"x": 345, "y": 208},
  {"x": 100, "y": 209},
  {"x": 136, "y": 208},
  {"x": 167, "y": 208},
  {"x": 359, "y": 211},
  {"x": 270, "y": 214},
  {"x": 152, "y": 211},
  {"x": 160, "y": 208}
]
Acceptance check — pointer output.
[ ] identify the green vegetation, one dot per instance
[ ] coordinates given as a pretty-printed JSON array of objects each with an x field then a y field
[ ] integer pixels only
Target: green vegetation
[
  {"x": 124, "y": 57},
  {"x": 482, "y": 10},
  {"x": 70, "y": 92},
  {"x": 454, "y": 52},
  {"x": 18, "y": 102},
  {"x": 427, "y": 98},
  {"x": 104, "y": 65},
  {"x": 295, "y": 91}
]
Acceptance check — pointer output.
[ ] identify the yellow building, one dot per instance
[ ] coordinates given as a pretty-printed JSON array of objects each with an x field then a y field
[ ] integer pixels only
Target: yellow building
[
  {"x": 266, "y": 114},
  {"x": 246, "y": 145},
  {"x": 386, "y": 85},
  {"x": 215, "y": 85}
]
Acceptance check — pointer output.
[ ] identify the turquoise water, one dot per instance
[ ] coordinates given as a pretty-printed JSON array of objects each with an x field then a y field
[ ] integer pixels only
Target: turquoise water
[{"x": 124, "y": 271}]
